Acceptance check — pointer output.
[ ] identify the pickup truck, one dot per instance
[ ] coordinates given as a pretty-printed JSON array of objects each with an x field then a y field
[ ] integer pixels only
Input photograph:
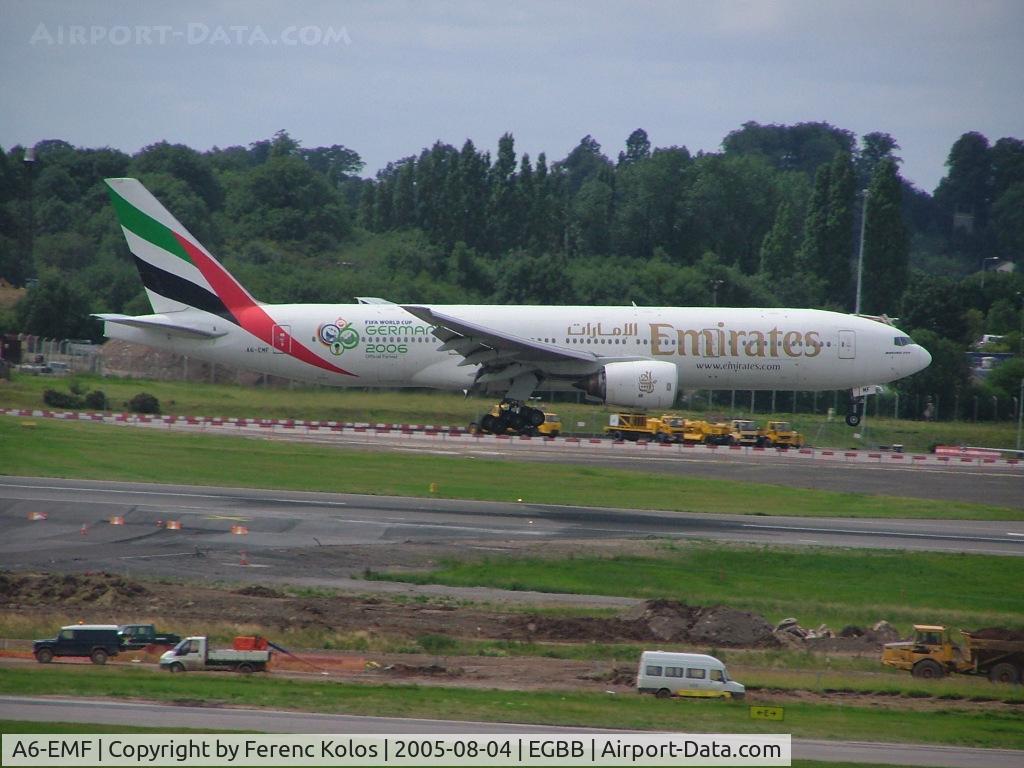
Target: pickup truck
[
  {"x": 193, "y": 653},
  {"x": 136, "y": 636}
]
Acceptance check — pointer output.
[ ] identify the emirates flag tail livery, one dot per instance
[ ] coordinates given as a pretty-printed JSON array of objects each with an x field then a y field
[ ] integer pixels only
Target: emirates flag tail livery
[{"x": 633, "y": 357}]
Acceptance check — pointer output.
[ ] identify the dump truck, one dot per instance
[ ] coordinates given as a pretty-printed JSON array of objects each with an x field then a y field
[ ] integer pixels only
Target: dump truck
[
  {"x": 782, "y": 434},
  {"x": 639, "y": 426},
  {"x": 136, "y": 636},
  {"x": 997, "y": 653},
  {"x": 745, "y": 432},
  {"x": 193, "y": 653}
]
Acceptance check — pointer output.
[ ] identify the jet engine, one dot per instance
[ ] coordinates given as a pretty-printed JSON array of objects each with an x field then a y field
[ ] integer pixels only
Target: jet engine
[{"x": 638, "y": 384}]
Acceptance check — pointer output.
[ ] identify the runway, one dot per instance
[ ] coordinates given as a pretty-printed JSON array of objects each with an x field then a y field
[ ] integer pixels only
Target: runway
[
  {"x": 71, "y": 530},
  {"x": 272, "y": 721}
]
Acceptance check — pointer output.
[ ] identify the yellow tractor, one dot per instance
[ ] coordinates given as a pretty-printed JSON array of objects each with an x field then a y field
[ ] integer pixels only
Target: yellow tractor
[{"x": 506, "y": 418}]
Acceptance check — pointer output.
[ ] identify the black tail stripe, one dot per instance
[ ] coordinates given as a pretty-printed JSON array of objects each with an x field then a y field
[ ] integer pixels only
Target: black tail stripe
[{"x": 176, "y": 288}]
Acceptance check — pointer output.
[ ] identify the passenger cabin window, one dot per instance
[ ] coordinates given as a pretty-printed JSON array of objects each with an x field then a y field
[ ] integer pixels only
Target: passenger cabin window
[
  {"x": 654, "y": 671},
  {"x": 67, "y": 634},
  {"x": 673, "y": 671},
  {"x": 696, "y": 674}
]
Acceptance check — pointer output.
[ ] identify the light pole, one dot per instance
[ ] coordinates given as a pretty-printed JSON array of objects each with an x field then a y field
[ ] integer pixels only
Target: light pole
[
  {"x": 860, "y": 250},
  {"x": 29, "y": 161},
  {"x": 714, "y": 291},
  {"x": 984, "y": 267}
]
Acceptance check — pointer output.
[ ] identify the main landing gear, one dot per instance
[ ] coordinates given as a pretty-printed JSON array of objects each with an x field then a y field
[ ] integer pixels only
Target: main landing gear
[{"x": 509, "y": 416}]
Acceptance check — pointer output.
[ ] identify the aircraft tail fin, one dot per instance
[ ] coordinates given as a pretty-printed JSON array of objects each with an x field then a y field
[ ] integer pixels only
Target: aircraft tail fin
[{"x": 177, "y": 271}]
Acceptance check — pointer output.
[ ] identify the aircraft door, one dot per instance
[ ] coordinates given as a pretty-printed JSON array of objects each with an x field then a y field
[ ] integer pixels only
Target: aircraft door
[
  {"x": 282, "y": 339},
  {"x": 847, "y": 345}
]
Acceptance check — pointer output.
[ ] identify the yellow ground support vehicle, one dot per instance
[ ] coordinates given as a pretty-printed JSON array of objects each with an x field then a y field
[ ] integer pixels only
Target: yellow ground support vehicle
[
  {"x": 552, "y": 425},
  {"x": 506, "y": 418},
  {"x": 745, "y": 432},
  {"x": 640, "y": 426},
  {"x": 706, "y": 432},
  {"x": 997, "y": 653},
  {"x": 781, "y": 433}
]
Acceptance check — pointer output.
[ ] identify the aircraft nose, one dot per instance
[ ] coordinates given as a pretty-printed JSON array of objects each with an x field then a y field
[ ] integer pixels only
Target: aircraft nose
[{"x": 922, "y": 358}]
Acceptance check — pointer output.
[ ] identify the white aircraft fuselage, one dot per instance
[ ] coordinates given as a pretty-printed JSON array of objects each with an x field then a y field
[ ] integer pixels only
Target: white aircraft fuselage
[{"x": 711, "y": 348}]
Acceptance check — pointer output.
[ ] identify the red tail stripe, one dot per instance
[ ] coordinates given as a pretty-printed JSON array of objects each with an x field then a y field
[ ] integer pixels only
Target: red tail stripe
[{"x": 250, "y": 315}]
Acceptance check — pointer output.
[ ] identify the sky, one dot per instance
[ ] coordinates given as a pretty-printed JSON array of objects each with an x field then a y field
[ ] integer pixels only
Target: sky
[{"x": 390, "y": 78}]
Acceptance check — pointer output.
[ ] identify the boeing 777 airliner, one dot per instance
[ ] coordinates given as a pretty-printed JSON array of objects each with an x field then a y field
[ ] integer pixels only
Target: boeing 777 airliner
[{"x": 634, "y": 357}]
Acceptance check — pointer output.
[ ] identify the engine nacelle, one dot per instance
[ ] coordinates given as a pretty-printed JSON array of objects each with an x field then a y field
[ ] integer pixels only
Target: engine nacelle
[{"x": 640, "y": 384}]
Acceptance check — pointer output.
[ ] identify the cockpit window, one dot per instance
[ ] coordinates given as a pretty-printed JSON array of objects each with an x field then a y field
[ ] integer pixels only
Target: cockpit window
[{"x": 902, "y": 341}]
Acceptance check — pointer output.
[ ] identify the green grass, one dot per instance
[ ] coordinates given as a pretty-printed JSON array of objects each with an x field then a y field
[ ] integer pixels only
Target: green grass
[
  {"x": 835, "y": 586},
  {"x": 946, "y": 725},
  {"x": 109, "y": 452},
  {"x": 425, "y": 407}
]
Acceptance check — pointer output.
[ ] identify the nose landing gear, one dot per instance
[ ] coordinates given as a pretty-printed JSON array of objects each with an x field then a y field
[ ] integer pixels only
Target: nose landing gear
[{"x": 854, "y": 411}]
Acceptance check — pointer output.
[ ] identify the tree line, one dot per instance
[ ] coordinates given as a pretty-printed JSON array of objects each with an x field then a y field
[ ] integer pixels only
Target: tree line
[{"x": 773, "y": 219}]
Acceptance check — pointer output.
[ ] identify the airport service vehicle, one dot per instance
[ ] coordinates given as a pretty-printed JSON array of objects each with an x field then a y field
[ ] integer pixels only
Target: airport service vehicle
[
  {"x": 745, "y": 432},
  {"x": 932, "y": 653},
  {"x": 668, "y": 674},
  {"x": 626, "y": 356},
  {"x": 640, "y": 426},
  {"x": 509, "y": 418},
  {"x": 781, "y": 433},
  {"x": 706, "y": 432},
  {"x": 193, "y": 653},
  {"x": 136, "y": 636},
  {"x": 98, "y": 642}
]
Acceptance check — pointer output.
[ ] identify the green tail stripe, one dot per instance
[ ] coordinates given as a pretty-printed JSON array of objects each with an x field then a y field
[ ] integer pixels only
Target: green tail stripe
[{"x": 133, "y": 219}]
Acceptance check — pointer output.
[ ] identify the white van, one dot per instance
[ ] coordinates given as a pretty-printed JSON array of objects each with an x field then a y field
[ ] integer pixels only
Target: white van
[{"x": 685, "y": 674}]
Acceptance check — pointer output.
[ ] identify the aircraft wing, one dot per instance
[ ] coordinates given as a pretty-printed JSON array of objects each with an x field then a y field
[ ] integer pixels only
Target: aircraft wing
[
  {"x": 507, "y": 362},
  {"x": 163, "y": 325},
  {"x": 481, "y": 344}
]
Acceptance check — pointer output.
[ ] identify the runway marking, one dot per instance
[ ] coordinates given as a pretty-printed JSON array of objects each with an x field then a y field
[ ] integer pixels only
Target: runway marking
[
  {"x": 1011, "y": 533},
  {"x": 865, "y": 532},
  {"x": 238, "y": 518},
  {"x": 150, "y": 557}
]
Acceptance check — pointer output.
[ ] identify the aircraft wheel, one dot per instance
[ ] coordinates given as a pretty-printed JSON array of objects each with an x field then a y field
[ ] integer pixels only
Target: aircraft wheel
[{"x": 852, "y": 419}]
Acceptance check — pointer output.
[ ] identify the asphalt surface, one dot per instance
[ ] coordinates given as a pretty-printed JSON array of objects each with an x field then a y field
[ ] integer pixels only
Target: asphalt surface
[
  {"x": 76, "y": 534},
  {"x": 272, "y": 721}
]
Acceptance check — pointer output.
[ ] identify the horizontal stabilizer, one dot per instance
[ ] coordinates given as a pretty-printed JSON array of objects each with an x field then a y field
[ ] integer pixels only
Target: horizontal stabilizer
[{"x": 164, "y": 325}]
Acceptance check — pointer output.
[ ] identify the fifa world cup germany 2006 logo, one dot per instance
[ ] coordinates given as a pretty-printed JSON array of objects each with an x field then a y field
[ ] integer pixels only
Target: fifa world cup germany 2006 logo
[{"x": 338, "y": 336}]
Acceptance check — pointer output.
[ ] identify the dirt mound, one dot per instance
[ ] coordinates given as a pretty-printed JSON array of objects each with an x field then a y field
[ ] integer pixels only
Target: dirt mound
[
  {"x": 727, "y": 626},
  {"x": 257, "y": 590},
  {"x": 416, "y": 670},
  {"x": 656, "y": 620},
  {"x": 998, "y": 633},
  {"x": 94, "y": 588}
]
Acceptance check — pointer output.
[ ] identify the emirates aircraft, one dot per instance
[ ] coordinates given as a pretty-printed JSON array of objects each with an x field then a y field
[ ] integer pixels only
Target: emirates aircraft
[{"x": 628, "y": 356}]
